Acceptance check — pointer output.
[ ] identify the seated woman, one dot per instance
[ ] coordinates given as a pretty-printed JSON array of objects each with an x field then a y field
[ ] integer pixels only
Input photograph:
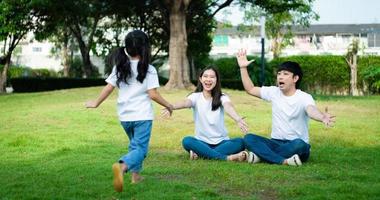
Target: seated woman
[{"x": 211, "y": 139}]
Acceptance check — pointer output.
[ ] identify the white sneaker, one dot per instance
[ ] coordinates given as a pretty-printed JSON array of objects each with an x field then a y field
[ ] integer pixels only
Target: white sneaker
[
  {"x": 294, "y": 160},
  {"x": 253, "y": 158}
]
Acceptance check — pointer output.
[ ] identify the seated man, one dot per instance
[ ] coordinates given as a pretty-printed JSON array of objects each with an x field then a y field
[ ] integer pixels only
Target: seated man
[{"x": 291, "y": 110}]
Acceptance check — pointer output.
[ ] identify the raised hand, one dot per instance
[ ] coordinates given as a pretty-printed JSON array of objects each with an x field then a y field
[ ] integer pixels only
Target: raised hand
[{"x": 242, "y": 60}]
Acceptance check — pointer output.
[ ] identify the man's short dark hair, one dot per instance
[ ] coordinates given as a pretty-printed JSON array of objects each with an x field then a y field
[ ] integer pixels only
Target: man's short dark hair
[{"x": 294, "y": 68}]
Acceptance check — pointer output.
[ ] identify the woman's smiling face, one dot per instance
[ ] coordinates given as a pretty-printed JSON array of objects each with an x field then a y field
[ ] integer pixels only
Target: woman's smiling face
[{"x": 208, "y": 80}]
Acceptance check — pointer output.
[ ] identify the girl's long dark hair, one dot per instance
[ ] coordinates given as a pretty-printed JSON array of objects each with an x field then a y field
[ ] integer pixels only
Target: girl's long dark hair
[
  {"x": 136, "y": 44},
  {"x": 216, "y": 92}
]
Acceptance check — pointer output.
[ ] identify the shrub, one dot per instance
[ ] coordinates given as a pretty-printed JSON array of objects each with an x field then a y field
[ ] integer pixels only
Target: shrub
[
  {"x": 371, "y": 75},
  {"x": 322, "y": 74},
  {"x": 37, "y": 84}
]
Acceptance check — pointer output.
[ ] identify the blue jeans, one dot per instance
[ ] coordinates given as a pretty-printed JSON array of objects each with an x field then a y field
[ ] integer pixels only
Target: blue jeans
[
  {"x": 276, "y": 151},
  {"x": 139, "y": 134},
  {"x": 209, "y": 151}
]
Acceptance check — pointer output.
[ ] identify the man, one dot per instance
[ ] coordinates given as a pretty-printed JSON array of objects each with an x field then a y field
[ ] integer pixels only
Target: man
[{"x": 291, "y": 110}]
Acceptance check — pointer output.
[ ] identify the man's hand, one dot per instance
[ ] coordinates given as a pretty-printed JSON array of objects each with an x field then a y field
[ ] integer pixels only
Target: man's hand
[
  {"x": 241, "y": 57},
  {"x": 328, "y": 119}
]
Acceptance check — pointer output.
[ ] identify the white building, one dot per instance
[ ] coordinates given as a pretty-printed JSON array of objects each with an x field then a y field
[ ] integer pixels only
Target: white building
[
  {"x": 315, "y": 40},
  {"x": 39, "y": 55}
]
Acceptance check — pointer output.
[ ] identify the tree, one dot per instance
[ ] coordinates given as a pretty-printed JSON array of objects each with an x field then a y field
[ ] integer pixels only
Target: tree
[
  {"x": 82, "y": 19},
  {"x": 178, "y": 44},
  {"x": 279, "y": 23},
  {"x": 144, "y": 15},
  {"x": 352, "y": 61},
  {"x": 17, "y": 18}
]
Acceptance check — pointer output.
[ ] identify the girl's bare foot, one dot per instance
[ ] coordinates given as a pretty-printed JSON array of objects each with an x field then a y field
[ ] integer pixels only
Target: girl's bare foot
[{"x": 136, "y": 178}]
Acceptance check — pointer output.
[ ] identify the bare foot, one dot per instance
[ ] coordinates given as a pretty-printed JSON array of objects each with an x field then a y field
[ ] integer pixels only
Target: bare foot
[
  {"x": 136, "y": 178},
  {"x": 117, "y": 177},
  {"x": 193, "y": 155},
  {"x": 241, "y": 156}
]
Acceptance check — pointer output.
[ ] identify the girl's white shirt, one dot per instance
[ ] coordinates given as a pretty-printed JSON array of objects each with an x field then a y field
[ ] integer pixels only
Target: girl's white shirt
[
  {"x": 133, "y": 102},
  {"x": 209, "y": 125}
]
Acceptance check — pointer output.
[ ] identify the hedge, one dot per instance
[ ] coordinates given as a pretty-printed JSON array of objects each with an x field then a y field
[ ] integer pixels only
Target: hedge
[
  {"x": 325, "y": 74},
  {"x": 36, "y": 84}
]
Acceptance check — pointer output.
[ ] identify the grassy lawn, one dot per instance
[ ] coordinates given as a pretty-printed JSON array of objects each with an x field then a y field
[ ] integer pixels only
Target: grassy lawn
[{"x": 54, "y": 148}]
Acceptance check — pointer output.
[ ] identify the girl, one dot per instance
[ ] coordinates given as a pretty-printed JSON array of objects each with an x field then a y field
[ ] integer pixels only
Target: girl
[
  {"x": 137, "y": 82},
  {"x": 209, "y": 103}
]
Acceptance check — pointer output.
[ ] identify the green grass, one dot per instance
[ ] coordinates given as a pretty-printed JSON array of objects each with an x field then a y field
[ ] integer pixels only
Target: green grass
[{"x": 51, "y": 147}]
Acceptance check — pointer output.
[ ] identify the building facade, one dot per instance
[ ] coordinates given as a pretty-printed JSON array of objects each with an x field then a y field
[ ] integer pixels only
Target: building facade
[{"x": 332, "y": 39}]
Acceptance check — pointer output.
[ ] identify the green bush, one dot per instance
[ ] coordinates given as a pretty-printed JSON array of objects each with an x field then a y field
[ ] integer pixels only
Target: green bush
[
  {"x": 325, "y": 74},
  {"x": 371, "y": 75},
  {"x": 37, "y": 84},
  {"x": 322, "y": 74},
  {"x": 229, "y": 70},
  {"x": 227, "y": 67}
]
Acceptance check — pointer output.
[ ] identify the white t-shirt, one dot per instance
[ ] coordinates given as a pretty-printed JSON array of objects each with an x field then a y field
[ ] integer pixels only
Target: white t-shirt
[
  {"x": 133, "y": 102},
  {"x": 209, "y": 125},
  {"x": 289, "y": 117}
]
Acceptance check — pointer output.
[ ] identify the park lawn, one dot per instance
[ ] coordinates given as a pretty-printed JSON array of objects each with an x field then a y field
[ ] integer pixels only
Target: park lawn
[{"x": 52, "y": 147}]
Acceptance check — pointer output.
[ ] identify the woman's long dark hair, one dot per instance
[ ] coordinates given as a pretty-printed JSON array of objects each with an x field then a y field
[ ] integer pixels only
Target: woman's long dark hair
[
  {"x": 216, "y": 92},
  {"x": 136, "y": 44}
]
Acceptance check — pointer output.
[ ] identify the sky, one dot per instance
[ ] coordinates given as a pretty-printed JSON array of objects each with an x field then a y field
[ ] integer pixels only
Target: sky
[{"x": 329, "y": 11}]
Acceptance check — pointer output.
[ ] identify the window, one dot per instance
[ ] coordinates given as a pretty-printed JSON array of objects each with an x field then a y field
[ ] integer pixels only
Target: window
[
  {"x": 373, "y": 40},
  {"x": 220, "y": 40},
  {"x": 37, "y": 49}
]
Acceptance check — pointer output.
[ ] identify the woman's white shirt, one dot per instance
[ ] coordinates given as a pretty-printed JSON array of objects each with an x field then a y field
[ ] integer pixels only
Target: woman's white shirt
[{"x": 209, "y": 125}]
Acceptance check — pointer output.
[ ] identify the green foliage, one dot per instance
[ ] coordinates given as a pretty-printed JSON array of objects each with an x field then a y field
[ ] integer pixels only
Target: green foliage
[
  {"x": 38, "y": 84},
  {"x": 229, "y": 69},
  {"x": 322, "y": 74},
  {"x": 76, "y": 68},
  {"x": 20, "y": 71},
  {"x": 278, "y": 23},
  {"x": 371, "y": 75}
]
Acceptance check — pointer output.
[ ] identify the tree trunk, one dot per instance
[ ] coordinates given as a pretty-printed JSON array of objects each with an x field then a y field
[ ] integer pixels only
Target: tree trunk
[
  {"x": 276, "y": 45},
  {"x": 354, "y": 76},
  {"x": 85, "y": 53},
  {"x": 4, "y": 73},
  {"x": 66, "y": 59},
  {"x": 87, "y": 67},
  {"x": 179, "y": 64}
]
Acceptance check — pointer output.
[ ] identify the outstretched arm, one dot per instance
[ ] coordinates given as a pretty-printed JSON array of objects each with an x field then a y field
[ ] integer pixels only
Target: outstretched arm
[
  {"x": 182, "y": 104},
  {"x": 327, "y": 119},
  {"x": 179, "y": 105},
  {"x": 230, "y": 110},
  {"x": 243, "y": 63},
  {"x": 107, "y": 90},
  {"x": 155, "y": 96}
]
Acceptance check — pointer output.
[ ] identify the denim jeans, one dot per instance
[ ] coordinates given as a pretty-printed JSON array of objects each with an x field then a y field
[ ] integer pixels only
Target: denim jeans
[
  {"x": 209, "y": 151},
  {"x": 276, "y": 151},
  {"x": 139, "y": 134}
]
